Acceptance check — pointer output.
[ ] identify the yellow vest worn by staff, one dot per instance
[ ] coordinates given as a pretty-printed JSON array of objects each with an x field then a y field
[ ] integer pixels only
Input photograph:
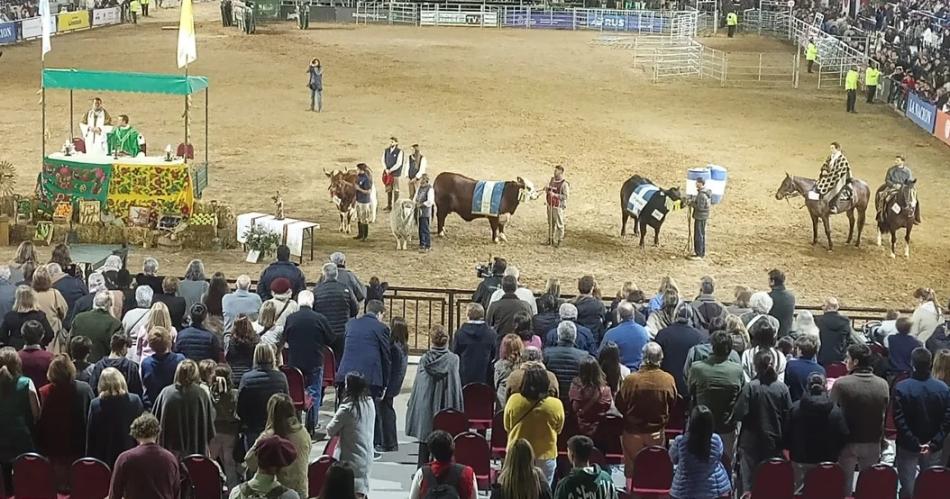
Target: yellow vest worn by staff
[
  {"x": 871, "y": 76},
  {"x": 811, "y": 52},
  {"x": 143, "y": 2},
  {"x": 851, "y": 80},
  {"x": 732, "y": 19},
  {"x": 135, "y": 6}
]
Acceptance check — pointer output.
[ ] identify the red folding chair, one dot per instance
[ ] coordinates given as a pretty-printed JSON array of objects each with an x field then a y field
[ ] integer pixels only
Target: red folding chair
[
  {"x": 652, "y": 472},
  {"x": 499, "y": 437},
  {"x": 297, "y": 387},
  {"x": 79, "y": 145},
  {"x": 570, "y": 429},
  {"x": 825, "y": 481},
  {"x": 33, "y": 477},
  {"x": 89, "y": 478},
  {"x": 317, "y": 473},
  {"x": 451, "y": 421},
  {"x": 677, "y": 423},
  {"x": 932, "y": 483},
  {"x": 890, "y": 427},
  {"x": 329, "y": 372},
  {"x": 472, "y": 449},
  {"x": 186, "y": 151},
  {"x": 331, "y": 446},
  {"x": 877, "y": 482},
  {"x": 836, "y": 370},
  {"x": 607, "y": 438},
  {"x": 774, "y": 479},
  {"x": 206, "y": 477},
  {"x": 479, "y": 400}
]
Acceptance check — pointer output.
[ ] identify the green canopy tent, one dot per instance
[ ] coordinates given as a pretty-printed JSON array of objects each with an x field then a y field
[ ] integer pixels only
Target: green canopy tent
[{"x": 149, "y": 83}]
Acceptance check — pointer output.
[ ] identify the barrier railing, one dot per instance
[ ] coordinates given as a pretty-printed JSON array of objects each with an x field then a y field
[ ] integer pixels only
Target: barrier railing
[{"x": 62, "y": 22}]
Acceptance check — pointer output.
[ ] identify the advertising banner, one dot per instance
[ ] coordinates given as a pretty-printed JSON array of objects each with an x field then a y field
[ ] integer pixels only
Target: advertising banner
[
  {"x": 102, "y": 17},
  {"x": 608, "y": 21},
  {"x": 69, "y": 21},
  {"x": 7, "y": 33},
  {"x": 33, "y": 28},
  {"x": 942, "y": 128},
  {"x": 471, "y": 18},
  {"x": 921, "y": 112},
  {"x": 536, "y": 18}
]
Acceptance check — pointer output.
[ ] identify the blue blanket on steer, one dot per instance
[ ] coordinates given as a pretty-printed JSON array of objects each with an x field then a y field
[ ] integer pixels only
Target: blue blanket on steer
[
  {"x": 642, "y": 194},
  {"x": 486, "y": 200}
]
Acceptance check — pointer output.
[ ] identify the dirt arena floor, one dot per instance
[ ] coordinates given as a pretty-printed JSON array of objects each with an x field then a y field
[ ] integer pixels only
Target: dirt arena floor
[{"x": 496, "y": 104}]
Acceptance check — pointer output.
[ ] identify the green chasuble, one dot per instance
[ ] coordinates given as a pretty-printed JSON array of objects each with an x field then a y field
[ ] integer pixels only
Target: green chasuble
[{"x": 125, "y": 139}]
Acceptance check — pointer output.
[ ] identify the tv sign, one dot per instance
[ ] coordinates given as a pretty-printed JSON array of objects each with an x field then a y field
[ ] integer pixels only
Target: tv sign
[
  {"x": 7, "y": 32},
  {"x": 921, "y": 112}
]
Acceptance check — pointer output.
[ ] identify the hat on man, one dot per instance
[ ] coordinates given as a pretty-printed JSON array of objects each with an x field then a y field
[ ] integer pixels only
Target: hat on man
[
  {"x": 275, "y": 452},
  {"x": 280, "y": 286}
]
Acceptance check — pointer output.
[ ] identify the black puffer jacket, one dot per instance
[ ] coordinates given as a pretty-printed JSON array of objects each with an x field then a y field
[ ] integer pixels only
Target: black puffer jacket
[
  {"x": 256, "y": 388},
  {"x": 198, "y": 344},
  {"x": 591, "y": 314},
  {"x": 815, "y": 430},
  {"x": 336, "y": 302},
  {"x": 564, "y": 361}
]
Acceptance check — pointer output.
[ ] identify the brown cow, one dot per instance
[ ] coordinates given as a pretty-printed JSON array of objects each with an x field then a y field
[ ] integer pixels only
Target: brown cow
[
  {"x": 454, "y": 192},
  {"x": 344, "y": 195}
]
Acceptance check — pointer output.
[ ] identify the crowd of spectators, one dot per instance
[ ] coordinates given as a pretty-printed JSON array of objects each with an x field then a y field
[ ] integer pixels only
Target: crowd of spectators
[{"x": 140, "y": 371}]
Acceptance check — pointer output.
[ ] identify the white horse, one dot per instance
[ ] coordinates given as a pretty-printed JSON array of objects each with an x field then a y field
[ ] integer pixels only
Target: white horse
[{"x": 402, "y": 221}]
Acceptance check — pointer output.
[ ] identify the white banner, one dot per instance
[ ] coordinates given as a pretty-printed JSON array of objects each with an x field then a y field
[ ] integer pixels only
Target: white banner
[
  {"x": 101, "y": 17},
  {"x": 463, "y": 18},
  {"x": 33, "y": 28}
]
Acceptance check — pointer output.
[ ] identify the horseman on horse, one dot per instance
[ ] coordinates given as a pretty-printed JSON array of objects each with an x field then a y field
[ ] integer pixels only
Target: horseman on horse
[
  {"x": 897, "y": 177},
  {"x": 834, "y": 181}
]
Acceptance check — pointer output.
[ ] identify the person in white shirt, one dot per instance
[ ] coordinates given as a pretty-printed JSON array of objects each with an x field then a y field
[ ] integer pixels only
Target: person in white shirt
[
  {"x": 523, "y": 293},
  {"x": 417, "y": 168},
  {"x": 95, "y": 126},
  {"x": 425, "y": 201}
]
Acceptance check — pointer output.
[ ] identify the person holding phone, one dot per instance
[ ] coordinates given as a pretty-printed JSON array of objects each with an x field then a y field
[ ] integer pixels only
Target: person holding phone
[{"x": 316, "y": 85}]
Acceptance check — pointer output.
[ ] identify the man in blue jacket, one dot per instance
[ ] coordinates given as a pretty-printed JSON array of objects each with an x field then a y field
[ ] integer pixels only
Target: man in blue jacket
[
  {"x": 629, "y": 337},
  {"x": 283, "y": 267},
  {"x": 307, "y": 333},
  {"x": 922, "y": 417},
  {"x": 196, "y": 342},
  {"x": 585, "y": 337}
]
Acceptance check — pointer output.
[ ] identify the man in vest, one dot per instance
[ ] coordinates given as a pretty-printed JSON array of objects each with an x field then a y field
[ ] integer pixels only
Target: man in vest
[
  {"x": 811, "y": 53},
  {"x": 871, "y": 77},
  {"x": 851, "y": 86},
  {"x": 732, "y": 20},
  {"x": 134, "y": 7},
  {"x": 392, "y": 171},
  {"x": 417, "y": 168},
  {"x": 364, "y": 201},
  {"x": 557, "y": 192},
  {"x": 425, "y": 201}
]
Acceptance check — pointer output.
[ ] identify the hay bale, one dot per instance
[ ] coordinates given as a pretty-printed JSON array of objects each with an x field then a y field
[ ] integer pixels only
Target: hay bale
[
  {"x": 201, "y": 237},
  {"x": 141, "y": 236}
]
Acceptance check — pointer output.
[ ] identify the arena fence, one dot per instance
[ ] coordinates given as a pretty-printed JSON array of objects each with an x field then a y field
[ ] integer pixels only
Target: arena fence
[{"x": 62, "y": 22}]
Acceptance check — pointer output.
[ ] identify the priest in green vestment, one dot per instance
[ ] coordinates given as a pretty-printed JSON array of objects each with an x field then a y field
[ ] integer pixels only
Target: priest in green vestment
[{"x": 124, "y": 140}]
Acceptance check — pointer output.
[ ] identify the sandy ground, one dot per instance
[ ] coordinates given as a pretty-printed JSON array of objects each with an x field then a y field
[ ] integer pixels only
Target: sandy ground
[{"x": 496, "y": 104}]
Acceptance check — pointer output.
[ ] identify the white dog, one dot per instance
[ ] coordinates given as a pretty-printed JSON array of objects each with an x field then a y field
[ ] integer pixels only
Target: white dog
[{"x": 402, "y": 220}]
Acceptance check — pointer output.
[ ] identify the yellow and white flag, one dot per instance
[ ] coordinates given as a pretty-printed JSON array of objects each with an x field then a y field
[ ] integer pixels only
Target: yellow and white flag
[
  {"x": 47, "y": 20},
  {"x": 187, "y": 48}
]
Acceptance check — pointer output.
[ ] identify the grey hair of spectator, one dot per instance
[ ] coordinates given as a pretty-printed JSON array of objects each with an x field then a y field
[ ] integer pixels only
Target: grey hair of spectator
[
  {"x": 54, "y": 269},
  {"x": 652, "y": 354},
  {"x": 567, "y": 311},
  {"x": 102, "y": 301},
  {"x": 143, "y": 296},
  {"x": 338, "y": 258},
  {"x": 760, "y": 302},
  {"x": 376, "y": 307},
  {"x": 831, "y": 304},
  {"x": 96, "y": 282},
  {"x": 243, "y": 282},
  {"x": 531, "y": 354},
  {"x": 305, "y": 298},
  {"x": 150, "y": 266},
  {"x": 566, "y": 332},
  {"x": 513, "y": 272},
  {"x": 5, "y": 272},
  {"x": 475, "y": 312},
  {"x": 196, "y": 271},
  {"x": 330, "y": 271},
  {"x": 707, "y": 285},
  {"x": 112, "y": 263},
  {"x": 624, "y": 311}
]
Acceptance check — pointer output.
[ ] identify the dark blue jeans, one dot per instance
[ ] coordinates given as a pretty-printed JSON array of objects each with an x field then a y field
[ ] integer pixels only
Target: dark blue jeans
[
  {"x": 425, "y": 240},
  {"x": 699, "y": 237},
  {"x": 315, "y": 390}
]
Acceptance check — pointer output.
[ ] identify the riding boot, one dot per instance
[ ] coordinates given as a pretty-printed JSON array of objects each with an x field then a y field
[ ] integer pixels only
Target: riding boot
[
  {"x": 365, "y": 232},
  {"x": 389, "y": 201},
  {"x": 359, "y": 231}
]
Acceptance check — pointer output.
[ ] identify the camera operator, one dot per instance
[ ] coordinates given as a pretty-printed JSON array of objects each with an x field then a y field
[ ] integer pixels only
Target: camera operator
[{"x": 490, "y": 282}]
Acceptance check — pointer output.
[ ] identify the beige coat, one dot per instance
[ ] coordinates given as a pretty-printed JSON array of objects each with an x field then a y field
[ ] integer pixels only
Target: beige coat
[
  {"x": 293, "y": 476},
  {"x": 52, "y": 303}
]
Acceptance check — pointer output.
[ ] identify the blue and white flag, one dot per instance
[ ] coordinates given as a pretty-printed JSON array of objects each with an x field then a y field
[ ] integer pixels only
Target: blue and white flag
[
  {"x": 486, "y": 200},
  {"x": 641, "y": 195}
]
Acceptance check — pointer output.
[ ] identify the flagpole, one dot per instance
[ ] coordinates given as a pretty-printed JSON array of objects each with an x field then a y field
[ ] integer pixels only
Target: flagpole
[
  {"x": 186, "y": 116},
  {"x": 43, "y": 123}
]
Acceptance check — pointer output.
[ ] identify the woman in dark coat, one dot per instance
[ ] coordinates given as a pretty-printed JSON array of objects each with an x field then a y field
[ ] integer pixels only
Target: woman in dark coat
[
  {"x": 185, "y": 413},
  {"x": 110, "y": 417},
  {"x": 61, "y": 429},
  {"x": 399, "y": 360},
  {"x": 256, "y": 388},
  {"x": 24, "y": 309},
  {"x": 240, "y": 349},
  {"x": 216, "y": 291},
  {"x": 19, "y": 408},
  {"x": 815, "y": 429}
]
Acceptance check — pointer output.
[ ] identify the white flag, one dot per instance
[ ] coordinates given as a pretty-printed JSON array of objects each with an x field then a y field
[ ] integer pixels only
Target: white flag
[
  {"x": 46, "y": 19},
  {"x": 187, "y": 49}
]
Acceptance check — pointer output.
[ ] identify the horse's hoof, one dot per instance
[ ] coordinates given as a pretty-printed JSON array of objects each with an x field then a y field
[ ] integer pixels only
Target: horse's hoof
[{"x": 893, "y": 256}]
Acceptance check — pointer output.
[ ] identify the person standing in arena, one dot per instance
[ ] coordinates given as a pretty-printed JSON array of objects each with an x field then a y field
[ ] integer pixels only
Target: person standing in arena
[
  {"x": 700, "y": 204},
  {"x": 315, "y": 85},
  {"x": 851, "y": 85},
  {"x": 732, "y": 21},
  {"x": 871, "y": 76},
  {"x": 392, "y": 171},
  {"x": 425, "y": 202},
  {"x": 364, "y": 209},
  {"x": 417, "y": 168},
  {"x": 144, "y": 7},
  {"x": 558, "y": 190},
  {"x": 811, "y": 53}
]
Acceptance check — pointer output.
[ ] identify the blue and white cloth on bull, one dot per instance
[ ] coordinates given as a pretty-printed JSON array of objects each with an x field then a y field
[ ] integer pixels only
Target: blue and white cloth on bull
[
  {"x": 642, "y": 194},
  {"x": 486, "y": 200}
]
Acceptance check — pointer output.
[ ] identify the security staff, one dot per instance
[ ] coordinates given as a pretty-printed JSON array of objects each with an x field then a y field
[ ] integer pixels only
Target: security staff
[
  {"x": 871, "y": 77},
  {"x": 851, "y": 85},
  {"x": 811, "y": 53},
  {"x": 144, "y": 7},
  {"x": 732, "y": 20}
]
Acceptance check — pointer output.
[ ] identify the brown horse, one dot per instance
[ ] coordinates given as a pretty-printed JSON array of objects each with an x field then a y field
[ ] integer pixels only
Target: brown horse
[
  {"x": 899, "y": 212},
  {"x": 818, "y": 209}
]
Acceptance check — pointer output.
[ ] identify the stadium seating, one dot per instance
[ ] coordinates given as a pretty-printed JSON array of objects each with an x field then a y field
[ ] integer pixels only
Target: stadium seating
[
  {"x": 652, "y": 472},
  {"x": 297, "y": 386},
  {"x": 774, "y": 479},
  {"x": 451, "y": 421},
  {"x": 877, "y": 482},
  {"x": 499, "y": 437},
  {"x": 33, "y": 477},
  {"x": 677, "y": 423},
  {"x": 317, "y": 472},
  {"x": 607, "y": 438},
  {"x": 479, "y": 403},
  {"x": 825, "y": 481},
  {"x": 836, "y": 370},
  {"x": 206, "y": 477},
  {"x": 932, "y": 483},
  {"x": 471, "y": 449},
  {"x": 89, "y": 479}
]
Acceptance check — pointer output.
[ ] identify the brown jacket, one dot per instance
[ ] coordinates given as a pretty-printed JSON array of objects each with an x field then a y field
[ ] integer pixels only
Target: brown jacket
[
  {"x": 516, "y": 379},
  {"x": 645, "y": 399}
]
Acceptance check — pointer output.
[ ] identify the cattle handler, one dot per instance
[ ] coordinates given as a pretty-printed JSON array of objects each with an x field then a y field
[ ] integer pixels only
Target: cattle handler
[
  {"x": 558, "y": 190},
  {"x": 364, "y": 201}
]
